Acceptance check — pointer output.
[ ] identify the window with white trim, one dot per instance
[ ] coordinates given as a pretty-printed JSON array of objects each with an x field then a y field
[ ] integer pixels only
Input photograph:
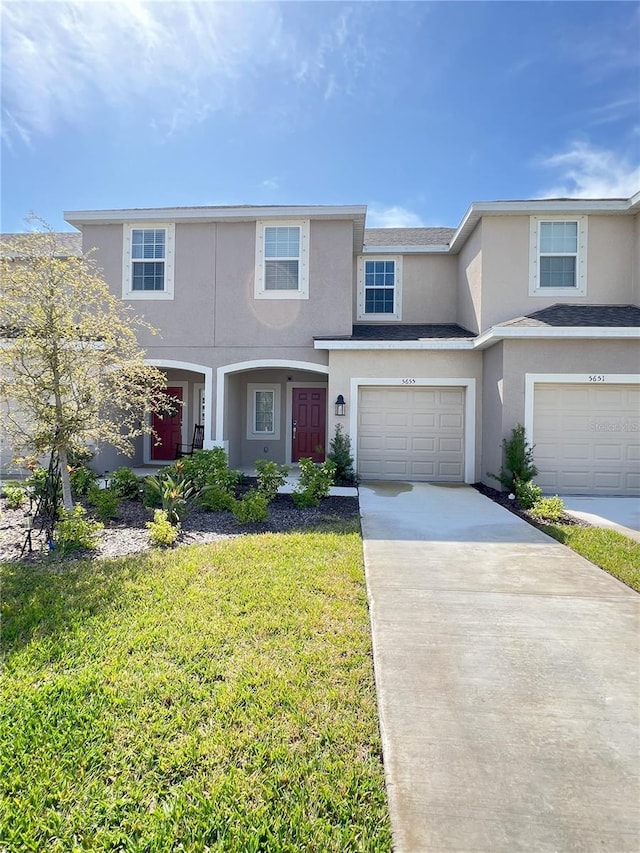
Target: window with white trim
[
  {"x": 148, "y": 261},
  {"x": 558, "y": 256},
  {"x": 263, "y": 409},
  {"x": 282, "y": 259},
  {"x": 380, "y": 287}
]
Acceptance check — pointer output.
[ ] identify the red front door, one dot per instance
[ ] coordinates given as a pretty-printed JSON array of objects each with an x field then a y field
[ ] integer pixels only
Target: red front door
[
  {"x": 309, "y": 423},
  {"x": 168, "y": 428}
]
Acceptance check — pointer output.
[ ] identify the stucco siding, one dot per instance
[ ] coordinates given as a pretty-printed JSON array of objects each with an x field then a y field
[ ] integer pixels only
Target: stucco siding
[
  {"x": 561, "y": 357},
  {"x": 380, "y": 365},
  {"x": 470, "y": 272},
  {"x": 243, "y": 320},
  {"x": 492, "y": 413},
  {"x": 429, "y": 289},
  {"x": 505, "y": 267}
]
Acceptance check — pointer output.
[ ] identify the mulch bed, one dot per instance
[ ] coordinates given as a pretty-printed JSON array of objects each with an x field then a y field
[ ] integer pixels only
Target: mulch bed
[
  {"x": 502, "y": 498},
  {"x": 128, "y": 534}
]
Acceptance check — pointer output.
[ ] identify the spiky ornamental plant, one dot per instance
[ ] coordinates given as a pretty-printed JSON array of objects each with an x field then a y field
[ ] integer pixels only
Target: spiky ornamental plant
[{"x": 71, "y": 370}]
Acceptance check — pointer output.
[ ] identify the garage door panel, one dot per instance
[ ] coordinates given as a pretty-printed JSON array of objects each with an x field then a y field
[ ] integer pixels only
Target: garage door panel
[
  {"x": 585, "y": 438},
  {"x": 420, "y": 433},
  {"x": 423, "y": 444},
  {"x": 610, "y": 481},
  {"x": 605, "y": 452}
]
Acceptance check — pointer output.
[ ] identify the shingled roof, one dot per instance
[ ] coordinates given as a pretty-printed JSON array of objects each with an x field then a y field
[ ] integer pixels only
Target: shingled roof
[
  {"x": 69, "y": 242},
  {"x": 402, "y": 332},
  {"x": 408, "y": 236},
  {"x": 627, "y": 316}
]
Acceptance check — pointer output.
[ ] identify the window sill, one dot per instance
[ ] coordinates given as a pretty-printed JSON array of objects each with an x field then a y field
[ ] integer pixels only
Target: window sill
[{"x": 147, "y": 294}]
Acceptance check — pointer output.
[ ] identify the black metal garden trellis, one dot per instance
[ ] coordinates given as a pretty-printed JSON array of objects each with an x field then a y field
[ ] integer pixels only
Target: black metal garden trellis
[{"x": 47, "y": 505}]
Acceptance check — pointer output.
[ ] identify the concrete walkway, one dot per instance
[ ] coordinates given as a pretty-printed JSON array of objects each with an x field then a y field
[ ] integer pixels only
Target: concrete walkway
[{"x": 507, "y": 679}]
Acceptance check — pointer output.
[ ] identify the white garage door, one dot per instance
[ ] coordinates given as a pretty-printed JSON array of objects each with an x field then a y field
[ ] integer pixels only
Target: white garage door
[
  {"x": 411, "y": 434},
  {"x": 587, "y": 439}
]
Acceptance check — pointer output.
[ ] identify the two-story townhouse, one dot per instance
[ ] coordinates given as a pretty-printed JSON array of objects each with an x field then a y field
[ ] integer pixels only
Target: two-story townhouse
[{"x": 427, "y": 344}]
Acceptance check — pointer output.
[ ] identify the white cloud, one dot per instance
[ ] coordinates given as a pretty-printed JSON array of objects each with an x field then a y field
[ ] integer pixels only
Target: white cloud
[
  {"x": 585, "y": 171},
  {"x": 270, "y": 184},
  {"x": 392, "y": 217},
  {"x": 169, "y": 64}
]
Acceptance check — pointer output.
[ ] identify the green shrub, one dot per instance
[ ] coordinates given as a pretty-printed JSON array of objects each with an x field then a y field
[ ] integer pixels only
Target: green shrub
[
  {"x": 518, "y": 460},
  {"x": 550, "y": 509},
  {"x": 40, "y": 484},
  {"x": 254, "y": 506},
  {"x": 74, "y": 530},
  {"x": 82, "y": 481},
  {"x": 314, "y": 483},
  {"x": 174, "y": 495},
  {"x": 209, "y": 468},
  {"x": 527, "y": 493},
  {"x": 270, "y": 477},
  {"x": 340, "y": 455},
  {"x": 15, "y": 496},
  {"x": 215, "y": 499},
  {"x": 105, "y": 502},
  {"x": 161, "y": 532},
  {"x": 124, "y": 483},
  {"x": 213, "y": 479}
]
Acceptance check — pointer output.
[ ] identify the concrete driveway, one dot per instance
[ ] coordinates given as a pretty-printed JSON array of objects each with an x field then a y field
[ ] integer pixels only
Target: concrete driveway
[
  {"x": 622, "y": 514},
  {"x": 507, "y": 678}
]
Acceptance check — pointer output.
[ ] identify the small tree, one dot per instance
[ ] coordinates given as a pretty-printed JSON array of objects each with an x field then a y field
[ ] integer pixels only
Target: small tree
[
  {"x": 71, "y": 370},
  {"x": 518, "y": 465},
  {"x": 340, "y": 455}
]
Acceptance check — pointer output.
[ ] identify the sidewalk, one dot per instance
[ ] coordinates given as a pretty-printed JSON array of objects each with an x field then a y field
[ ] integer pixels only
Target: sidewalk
[{"x": 507, "y": 678}]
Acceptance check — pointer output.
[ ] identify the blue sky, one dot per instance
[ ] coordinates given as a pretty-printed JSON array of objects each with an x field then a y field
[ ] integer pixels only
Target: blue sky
[{"x": 415, "y": 109}]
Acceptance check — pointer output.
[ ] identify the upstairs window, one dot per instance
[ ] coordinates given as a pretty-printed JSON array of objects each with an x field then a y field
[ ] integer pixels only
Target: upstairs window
[
  {"x": 282, "y": 260},
  {"x": 148, "y": 258},
  {"x": 379, "y": 288},
  {"x": 148, "y": 262},
  {"x": 558, "y": 257}
]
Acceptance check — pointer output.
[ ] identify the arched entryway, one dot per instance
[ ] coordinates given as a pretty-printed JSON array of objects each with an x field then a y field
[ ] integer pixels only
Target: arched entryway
[{"x": 271, "y": 409}]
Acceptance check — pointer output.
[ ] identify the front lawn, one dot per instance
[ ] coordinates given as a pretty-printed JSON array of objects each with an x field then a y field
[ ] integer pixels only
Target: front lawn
[
  {"x": 613, "y": 552},
  {"x": 215, "y": 697}
]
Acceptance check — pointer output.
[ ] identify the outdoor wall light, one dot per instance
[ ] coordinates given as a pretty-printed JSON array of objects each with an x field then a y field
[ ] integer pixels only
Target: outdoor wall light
[{"x": 340, "y": 406}]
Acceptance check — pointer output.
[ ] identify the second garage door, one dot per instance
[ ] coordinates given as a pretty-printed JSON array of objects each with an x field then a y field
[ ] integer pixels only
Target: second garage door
[
  {"x": 411, "y": 433},
  {"x": 587, "y": 438}
]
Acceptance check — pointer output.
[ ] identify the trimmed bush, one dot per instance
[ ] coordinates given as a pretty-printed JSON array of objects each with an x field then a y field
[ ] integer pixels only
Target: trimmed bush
[
  {"x": 82, "y": 481},
  {"x": 124, "y": 483},
  {"x": 549, "y": 509},
  {"x": 15, "y": 496},
  {"x": 527, "y": 493},
  {"x": 253, "y": 507},
  {"x": 161, "y": 532},
  {"x": 105, "y": 503},
  {"x": 75, "y": 530},
  {"x": 270, "y": 477},
  {"x": 314, "y": 484}
]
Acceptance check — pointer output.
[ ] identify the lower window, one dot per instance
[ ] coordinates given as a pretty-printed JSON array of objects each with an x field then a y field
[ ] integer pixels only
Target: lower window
[{"x": 263, "y": 411}]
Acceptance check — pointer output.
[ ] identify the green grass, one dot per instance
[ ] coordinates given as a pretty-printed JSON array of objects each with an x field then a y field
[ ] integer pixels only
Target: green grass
[
  {"x": 216, "y": 697},
  {"x": 613, "y": 552}
]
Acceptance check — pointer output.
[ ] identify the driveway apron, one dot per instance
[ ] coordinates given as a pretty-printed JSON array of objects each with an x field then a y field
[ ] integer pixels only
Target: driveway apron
[{"x": 507, "y": 679}]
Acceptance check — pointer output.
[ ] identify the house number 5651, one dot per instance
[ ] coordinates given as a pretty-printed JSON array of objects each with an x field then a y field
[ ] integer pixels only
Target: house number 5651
[{"x": 596, "y": 377}]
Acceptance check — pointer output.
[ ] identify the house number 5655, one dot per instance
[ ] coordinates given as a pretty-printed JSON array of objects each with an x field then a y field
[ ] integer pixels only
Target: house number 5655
[{"x": 408, "y": 381}]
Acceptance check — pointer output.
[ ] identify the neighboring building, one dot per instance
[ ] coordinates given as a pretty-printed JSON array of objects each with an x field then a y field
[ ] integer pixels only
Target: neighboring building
[{"x": 440, "y": 340}]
